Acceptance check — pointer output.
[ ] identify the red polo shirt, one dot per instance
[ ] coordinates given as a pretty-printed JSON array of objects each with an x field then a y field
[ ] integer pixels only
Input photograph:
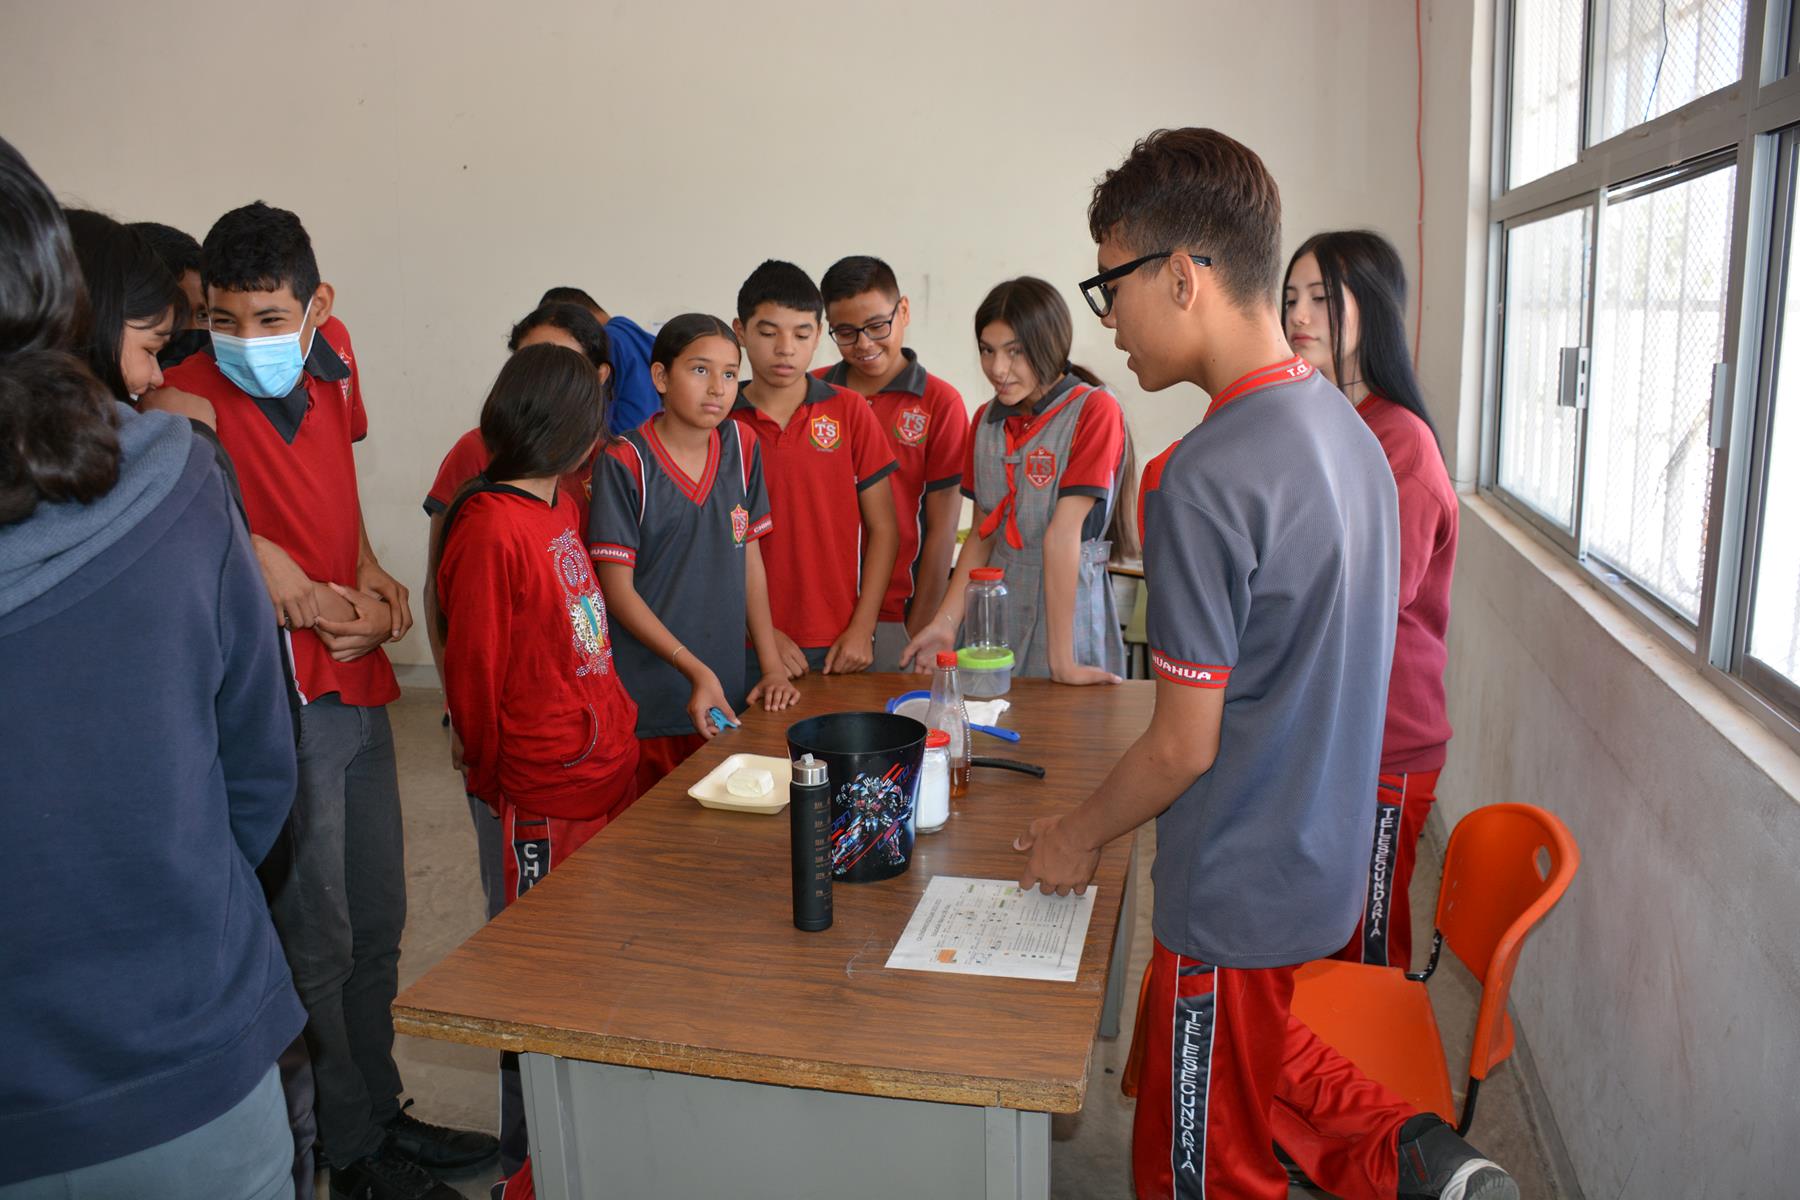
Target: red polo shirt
[
  {"x": 816, "y": 469},
  {"x": 928, "y": 429},
  {"x": 300, "y": 493}
]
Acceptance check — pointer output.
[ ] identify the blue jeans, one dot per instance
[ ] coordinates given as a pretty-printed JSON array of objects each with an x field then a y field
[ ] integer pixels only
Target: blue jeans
[
  {"x": 340, "y": 912},
  {"x": 247, "y": 1153}
]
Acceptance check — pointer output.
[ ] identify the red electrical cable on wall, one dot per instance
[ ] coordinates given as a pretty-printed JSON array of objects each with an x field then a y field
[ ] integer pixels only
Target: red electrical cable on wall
[{"x": 1419, "y": 153}]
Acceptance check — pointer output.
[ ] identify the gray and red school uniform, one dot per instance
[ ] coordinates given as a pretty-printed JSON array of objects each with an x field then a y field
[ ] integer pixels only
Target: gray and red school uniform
[
  {"x": 928, "y": 430},
  {"x": 1271, "y": 559},
  {"x": 685, "y": 540},
  {"x": 1019, "y": 465}
]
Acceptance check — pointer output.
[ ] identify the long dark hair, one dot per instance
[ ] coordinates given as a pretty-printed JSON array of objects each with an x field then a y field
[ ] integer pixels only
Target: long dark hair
[
  {"x": 1368, "y": 265},
  {"x": 58, "y": 430},
  {"x": 540, "y": 419},
  {"x": 1040, "y": 319},
  {"x": 127, "y": 283}
]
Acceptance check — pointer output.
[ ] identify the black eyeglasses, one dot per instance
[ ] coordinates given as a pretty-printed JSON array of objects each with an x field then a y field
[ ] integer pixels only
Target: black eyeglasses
[
  {"x": 1098, "y": 291},
  {"x": 878, "y": 329}
]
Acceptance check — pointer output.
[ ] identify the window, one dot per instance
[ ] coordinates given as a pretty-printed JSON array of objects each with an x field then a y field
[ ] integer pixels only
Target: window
[
  {"x": 1646, "y": 413},
  {"x": 1656, "y": 55},
  {"x": 1659, "y": 330},
  {"x": 1546, "y": 286}
]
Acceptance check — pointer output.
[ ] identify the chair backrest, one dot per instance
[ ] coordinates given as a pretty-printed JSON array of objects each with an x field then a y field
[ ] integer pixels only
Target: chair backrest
[{"x": 1506, "y": 865}]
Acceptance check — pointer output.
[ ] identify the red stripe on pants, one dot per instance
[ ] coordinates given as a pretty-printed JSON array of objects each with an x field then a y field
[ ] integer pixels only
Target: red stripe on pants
[
  {"x": 1227, "y": 1072},
  {"x": 1383, "y": 935}
]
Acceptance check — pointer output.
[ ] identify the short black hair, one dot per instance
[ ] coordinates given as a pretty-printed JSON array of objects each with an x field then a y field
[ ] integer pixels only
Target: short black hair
[
  {"x": 259, "y": 248},
  {"x": 1200, "y": 192},
  {"x": 179, "y": 251},
  {"x": 573, "y": 320},
  {"x": 781, "y": 284},
  {"x": 856, "y": 274},
  {"x": 569, "y": 295},
  {"x": 126, "y": 283}
]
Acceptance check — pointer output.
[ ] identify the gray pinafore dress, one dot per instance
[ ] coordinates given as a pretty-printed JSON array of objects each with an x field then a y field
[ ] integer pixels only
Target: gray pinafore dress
[{"x": 1029, "y": 472}]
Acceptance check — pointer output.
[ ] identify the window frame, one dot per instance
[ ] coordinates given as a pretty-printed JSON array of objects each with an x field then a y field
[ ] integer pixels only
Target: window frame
[{"x": 1755, "y": 120}]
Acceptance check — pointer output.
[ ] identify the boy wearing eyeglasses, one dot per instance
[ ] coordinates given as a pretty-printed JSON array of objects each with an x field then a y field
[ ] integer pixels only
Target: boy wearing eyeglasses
[
  {"x": 1271, "y": 556},
  {"x": 927, "y": 427}
]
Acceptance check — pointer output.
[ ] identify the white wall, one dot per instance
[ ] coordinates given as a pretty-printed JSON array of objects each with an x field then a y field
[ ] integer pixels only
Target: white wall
[
  {"x": 451, "y": 160},
  {"x": 1661, "y": 998}
]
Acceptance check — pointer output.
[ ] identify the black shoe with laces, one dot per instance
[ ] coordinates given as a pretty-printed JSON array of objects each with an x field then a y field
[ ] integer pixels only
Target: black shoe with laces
[
  {"x": 435, "y": 1146},
  {"x": 383, "y": 1176},
  {"x": 1436, "y": 1164}
]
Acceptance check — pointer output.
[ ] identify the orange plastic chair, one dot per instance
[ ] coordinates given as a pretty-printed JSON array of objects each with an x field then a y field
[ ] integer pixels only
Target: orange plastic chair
[{"x": 1506, "y": 865}]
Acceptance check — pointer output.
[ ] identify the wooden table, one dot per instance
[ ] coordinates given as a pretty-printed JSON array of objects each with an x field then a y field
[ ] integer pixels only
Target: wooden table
[{"x": 681, "y": 1038}]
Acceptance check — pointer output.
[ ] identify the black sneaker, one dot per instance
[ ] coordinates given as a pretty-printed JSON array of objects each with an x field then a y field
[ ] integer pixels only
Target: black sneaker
[
  {"x": 382, "y": 1176},
  {"x": 1436, "y": 1164},
  {"x": 435, "y": 1146}
]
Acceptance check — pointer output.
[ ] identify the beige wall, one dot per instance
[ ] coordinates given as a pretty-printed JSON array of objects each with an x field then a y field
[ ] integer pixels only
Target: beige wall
[{"x": 453, "y": 159}]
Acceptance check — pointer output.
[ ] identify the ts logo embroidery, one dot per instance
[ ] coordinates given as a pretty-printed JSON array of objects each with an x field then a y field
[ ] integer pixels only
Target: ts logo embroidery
[
  {"x": 740, "y": 524},
  {"x": 1040, "y": 467},
  {"x": 911, "y": 425},
  {"x": 825, "y": 433}
]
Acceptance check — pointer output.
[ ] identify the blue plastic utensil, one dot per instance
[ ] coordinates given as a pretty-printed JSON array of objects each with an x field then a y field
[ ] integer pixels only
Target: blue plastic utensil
[
  {"x": 718, "y": 717},
  {"x": 993, "y": 731}
]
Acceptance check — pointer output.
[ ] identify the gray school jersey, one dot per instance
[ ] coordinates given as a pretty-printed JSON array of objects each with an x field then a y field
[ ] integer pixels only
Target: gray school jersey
[
  {"x": 685, "y": 540},
  {"x": 1271, "y": 558}
]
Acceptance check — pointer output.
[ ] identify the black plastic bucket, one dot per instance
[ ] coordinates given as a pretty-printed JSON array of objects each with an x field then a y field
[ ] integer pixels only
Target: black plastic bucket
[{"x": 872, "y": 760}]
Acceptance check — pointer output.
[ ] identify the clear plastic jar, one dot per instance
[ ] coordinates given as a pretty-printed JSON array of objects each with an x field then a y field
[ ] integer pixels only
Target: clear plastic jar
[
  {"x": 986, "y": 659},
  {"x": 933, "y": 806}
]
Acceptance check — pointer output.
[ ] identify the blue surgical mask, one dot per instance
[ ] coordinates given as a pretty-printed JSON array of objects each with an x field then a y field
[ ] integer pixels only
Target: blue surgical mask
[{"x": 268, "y": 367}]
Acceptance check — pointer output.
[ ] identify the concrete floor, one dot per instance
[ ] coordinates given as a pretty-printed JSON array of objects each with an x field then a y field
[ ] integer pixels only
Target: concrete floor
[{"x": 455, "y": 1085}]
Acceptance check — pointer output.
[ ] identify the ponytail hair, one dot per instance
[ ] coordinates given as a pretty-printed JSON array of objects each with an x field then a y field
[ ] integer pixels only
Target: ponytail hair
[
  {"x": 677, "y": 335},
  {"x": 58, "y": 431},
  {"x": 540, "y": 420},
  {"x": 1366, "y": 265}
]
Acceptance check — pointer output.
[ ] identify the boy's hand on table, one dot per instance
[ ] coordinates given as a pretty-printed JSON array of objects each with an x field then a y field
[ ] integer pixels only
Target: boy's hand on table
[
  {"x": 289, "y": 587},
  {"x": 371, "y": 578},
  {"x": 775, "y": 691},
  {"x": 921, "y": 653},
  {"x": 1080, "y": 676},
  {"x": 1056, "y": 863},
  {"x": 706, "y": 696},
  {"x": 853, "y": 651},
  {"x": 350, "y": 640},
  {"x": 792, "y": 657}
]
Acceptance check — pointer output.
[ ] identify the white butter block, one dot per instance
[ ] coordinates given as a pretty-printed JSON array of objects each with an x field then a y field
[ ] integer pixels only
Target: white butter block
[{"x": 752, "y": 783}]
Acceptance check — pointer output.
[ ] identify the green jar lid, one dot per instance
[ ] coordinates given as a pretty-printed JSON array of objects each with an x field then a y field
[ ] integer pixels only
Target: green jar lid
[{"x": 984, "y": 658}]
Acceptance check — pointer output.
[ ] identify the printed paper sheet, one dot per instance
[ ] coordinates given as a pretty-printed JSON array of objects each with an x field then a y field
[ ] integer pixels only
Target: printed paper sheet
[{"x": 989, "y": 927}]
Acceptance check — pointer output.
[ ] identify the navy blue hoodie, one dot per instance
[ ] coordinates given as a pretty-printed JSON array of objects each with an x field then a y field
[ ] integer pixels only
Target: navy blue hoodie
[{"x": 146, "y": 766}]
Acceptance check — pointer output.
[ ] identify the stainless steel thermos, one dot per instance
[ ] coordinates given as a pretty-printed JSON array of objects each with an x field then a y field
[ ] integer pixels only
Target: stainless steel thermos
[{"x": 809, "y": 818}]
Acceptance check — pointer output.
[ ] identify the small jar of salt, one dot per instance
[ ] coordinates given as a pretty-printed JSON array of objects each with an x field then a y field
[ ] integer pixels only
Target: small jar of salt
[{"x": 933, "y": 806}]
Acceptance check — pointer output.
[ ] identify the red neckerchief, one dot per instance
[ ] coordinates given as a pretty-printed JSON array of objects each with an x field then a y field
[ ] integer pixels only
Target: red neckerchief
[{"x": 1007, "y": 511}]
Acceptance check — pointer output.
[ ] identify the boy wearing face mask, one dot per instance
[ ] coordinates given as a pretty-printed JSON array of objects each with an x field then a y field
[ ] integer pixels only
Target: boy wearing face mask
[{"x": 279, "y": 384}]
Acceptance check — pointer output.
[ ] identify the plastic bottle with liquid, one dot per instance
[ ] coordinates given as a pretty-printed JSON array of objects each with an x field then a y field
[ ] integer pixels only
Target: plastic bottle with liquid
[{"x": 948, "y": 713}]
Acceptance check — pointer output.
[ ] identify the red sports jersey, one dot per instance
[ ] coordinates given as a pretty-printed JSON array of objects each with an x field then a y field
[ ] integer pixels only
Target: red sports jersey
[
  {"x": 301, "y": 494},
  {"x": 816, "y": 469},
  {"x": 545, "y": 724},
  {"x": 928, "y": 430}
]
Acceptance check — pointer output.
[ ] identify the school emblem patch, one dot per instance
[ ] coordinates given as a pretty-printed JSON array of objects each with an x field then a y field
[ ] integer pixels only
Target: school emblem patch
[
  {"x": 910, "y": 426},
  {"x": 740, "y": 524},
  {"x": 1040, "y": 467},
  {"x": 825, "y": 432}
]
